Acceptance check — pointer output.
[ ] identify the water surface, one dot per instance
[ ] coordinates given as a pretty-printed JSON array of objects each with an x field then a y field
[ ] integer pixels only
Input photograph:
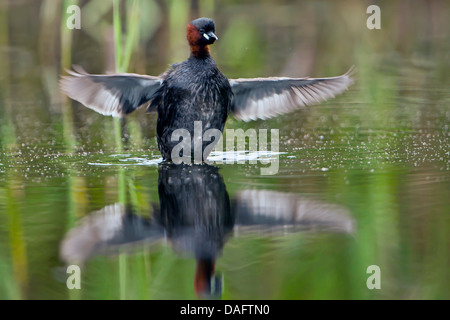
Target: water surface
[{"x": 363, "y": 179}]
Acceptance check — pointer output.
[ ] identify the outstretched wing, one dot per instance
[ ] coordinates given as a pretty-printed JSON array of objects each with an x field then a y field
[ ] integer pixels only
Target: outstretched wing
[
  {"x": 264, "y": 98},
  {"x": 113, "y": 95}
]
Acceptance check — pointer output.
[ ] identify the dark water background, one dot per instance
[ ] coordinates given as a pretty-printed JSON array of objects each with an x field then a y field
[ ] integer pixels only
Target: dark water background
[{"x": 363, "y": 179}]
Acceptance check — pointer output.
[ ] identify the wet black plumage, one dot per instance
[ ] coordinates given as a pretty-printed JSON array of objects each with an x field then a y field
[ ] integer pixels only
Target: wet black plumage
[{"x": 195, "y": 90}]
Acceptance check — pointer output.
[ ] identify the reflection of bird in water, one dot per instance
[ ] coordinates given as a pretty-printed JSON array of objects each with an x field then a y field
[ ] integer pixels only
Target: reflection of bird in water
[
  {"x": 195, "y": 212},
  {"x": 197, "y": 216}
]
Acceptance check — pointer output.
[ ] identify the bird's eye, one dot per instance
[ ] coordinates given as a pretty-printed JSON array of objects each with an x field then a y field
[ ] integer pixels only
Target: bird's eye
[{"x": 202, "y": 30}]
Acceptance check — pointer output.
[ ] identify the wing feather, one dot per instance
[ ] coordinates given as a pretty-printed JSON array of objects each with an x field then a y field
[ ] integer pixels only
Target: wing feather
[
  {"x": 264, "y": 98},
  {"x": 116, "y": 94}
]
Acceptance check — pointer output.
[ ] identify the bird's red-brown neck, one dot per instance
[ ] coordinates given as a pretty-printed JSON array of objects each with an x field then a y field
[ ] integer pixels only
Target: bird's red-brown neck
[
  {"x": 204, "y": 270},
  {"x": 193, "y": 36}
]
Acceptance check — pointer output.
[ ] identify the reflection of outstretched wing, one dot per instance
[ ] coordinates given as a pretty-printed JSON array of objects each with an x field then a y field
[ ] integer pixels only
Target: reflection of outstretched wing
[
  {"x": 201, "y": 229},
  {"x": 106, "y": 230},
  {"x": 264, "y": 210}
]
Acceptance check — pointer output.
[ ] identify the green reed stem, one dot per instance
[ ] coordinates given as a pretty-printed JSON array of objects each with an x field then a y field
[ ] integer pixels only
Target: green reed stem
[
  {"x": 123, "y": 52},
  {"x": 117, "y": 34},
  {"x": 132, "y": 34}
]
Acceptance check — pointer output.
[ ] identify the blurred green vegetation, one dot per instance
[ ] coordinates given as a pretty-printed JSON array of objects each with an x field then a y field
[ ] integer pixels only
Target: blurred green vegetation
[{"x": 381, "y": 150}]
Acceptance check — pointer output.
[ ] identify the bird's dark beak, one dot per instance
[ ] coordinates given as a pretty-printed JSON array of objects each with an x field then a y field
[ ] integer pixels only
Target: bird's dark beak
[
  {"x": 210, "y": 35},
  {"x": 213, "y": 35}
]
